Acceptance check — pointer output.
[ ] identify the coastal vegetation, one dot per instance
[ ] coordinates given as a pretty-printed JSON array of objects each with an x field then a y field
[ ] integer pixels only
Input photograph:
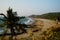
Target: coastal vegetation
[{"x": 51, "y": 15}]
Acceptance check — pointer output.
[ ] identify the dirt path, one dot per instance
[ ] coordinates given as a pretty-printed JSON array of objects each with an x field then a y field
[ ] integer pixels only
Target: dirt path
[{"x": 46, "y": 23}]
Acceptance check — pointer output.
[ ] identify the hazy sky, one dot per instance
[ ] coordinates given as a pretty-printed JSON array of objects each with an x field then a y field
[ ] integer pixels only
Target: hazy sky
[{"x": 29, "y": 7}]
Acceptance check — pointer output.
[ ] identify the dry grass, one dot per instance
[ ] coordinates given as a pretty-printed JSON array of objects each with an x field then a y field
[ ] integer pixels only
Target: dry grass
[
  {"x": 52, "y": 33},
  {"x": 44, "y": 32}
]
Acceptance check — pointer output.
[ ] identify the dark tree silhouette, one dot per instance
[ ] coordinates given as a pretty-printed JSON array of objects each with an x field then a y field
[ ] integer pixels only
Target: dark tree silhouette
[
  {"x": 11, "y": 22},
  {"x": 58, "y": 18}
]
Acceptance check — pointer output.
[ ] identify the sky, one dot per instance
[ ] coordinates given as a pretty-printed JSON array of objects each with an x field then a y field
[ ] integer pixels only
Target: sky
[{"x": 30, "y": 7}]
